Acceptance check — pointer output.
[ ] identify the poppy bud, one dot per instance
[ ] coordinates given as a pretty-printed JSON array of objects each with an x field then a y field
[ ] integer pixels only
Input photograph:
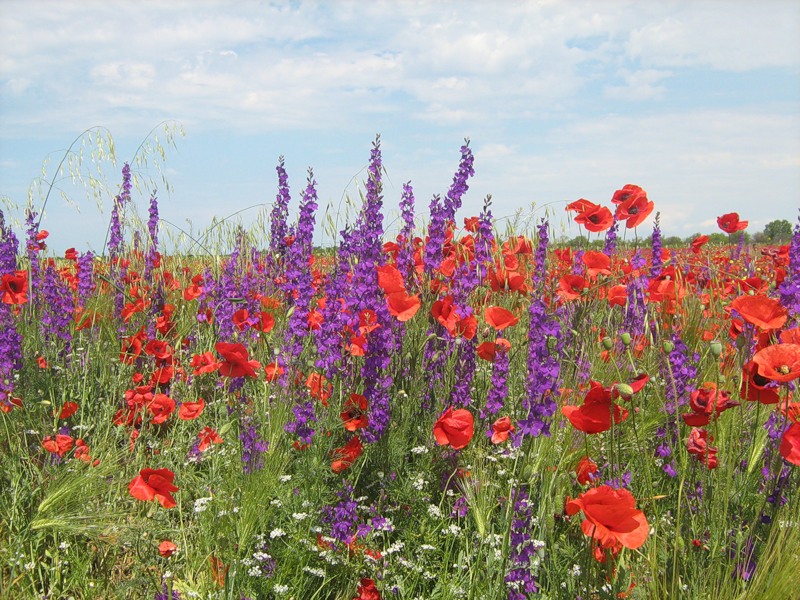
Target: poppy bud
[
  {"x": 668, "y": 346},
  {"x": 486, "y": 332},
  {"x": 625, "y": 390},
  {"x": 716, "y": 348},
  {"x": 626, "y": 338},
  {"x": 608, "y": 343}
]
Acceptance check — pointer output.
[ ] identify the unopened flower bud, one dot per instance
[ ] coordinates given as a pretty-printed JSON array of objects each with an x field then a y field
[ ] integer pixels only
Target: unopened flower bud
[
  {"x": 626, "y": 338},
  {"x": 716, "y": 348},
  {"x": 608, "y": 343},
  {"x": 668, "y": 346},
  {"x": 624, "y": 390}
]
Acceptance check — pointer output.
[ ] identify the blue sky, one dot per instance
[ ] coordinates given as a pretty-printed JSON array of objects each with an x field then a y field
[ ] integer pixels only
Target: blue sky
[{"x": 697, "y": 102}]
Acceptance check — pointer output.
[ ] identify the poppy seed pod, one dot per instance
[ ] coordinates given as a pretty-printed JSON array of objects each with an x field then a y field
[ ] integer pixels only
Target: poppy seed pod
[
  {"x": 608, "y": 343},
  {"x": 626, "y": 338},
  {"x": 668, "y": 346},
  {"x": 716, "y": 348}
]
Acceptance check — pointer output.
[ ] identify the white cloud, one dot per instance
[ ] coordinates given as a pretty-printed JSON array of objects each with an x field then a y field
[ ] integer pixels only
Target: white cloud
[
  {"x": 722, "y": 35},
  {"x": 639, "y": 85}
]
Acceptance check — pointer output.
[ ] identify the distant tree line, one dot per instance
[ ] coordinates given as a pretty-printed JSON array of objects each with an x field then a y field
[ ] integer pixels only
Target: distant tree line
[{"x": 775, "y": 232}]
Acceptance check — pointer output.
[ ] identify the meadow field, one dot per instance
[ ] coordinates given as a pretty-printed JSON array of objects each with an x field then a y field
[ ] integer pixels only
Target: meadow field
[{"x": 457, "y": 410}]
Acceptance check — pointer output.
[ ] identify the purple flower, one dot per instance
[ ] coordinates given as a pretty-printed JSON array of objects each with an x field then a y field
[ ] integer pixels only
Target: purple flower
[
  {"x": 299, "y": 286},
  {"x": 10, "y": 338},
  {"x": 544, "y": 367},
  {"x": 405, "y": 256},
  {"x": 253, "y": 446},
  {"x": 56, "y": 308},
  {"x": 655, "y": 269},
  {"x": 790, "y": 288},
  {"x": 443, "y": 213},
  {"x": 152, "y": 228},
  {"x": 611, "y": 238},
  {"x": 278, "y": 225},
  {"x": 498, "y": 389},
  {"x": 303, "y": 417},
  {"x": 342, "y": 517},
  {"x": 523, "y": 549}
]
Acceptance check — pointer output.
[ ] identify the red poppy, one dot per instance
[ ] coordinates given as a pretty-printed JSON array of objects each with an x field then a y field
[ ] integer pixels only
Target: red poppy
[
  {"x": 765, "y": 313},
  {"x": 403, "y": 306},
  {"x": 617, "y": 295},
  {"x": 595, "y": 414},
  {"x": 499, "y": 317},
  {"x": 501, "y": 429},
  {"x": 15, "y": 287},
  {"x": 353, "y": 416},
  {"x": 159, "y": 349},
  {"x": 570, "y": 287},
  {"x": 390, "y": 280},
  {"x": 161, "y": 408},
  {"x": 454, "y": 427},
  {"x": 59, "y": 445},
  {"x": 754, "y": 387},
  {"x": 273, "y": 371},
  {"x": 68, "y": 409},
  {"x": 597, "y": 263},
  {"x": 206, "y": 437},
  {"x": 699, "y": 242},
  {"x": 189, "y": 411},
  {"x": 194, "y": 290},
  {"x": 707, "y": 402},
  {"x": 132, "y": 347},
  {"x": 235, "y": 361},
  {"x": 444, "y": 311},
  {"x": 204, "y": 363},
  {"x": 790, "y": 336},
  {"x": 585, "y": 469},
  {"x": 314, "y": 319},
  {"x": 367, "y": 590},
  {"x": 319, "y": 387},
  {"x": 633, "y": 207},
  {"x": 488, "y": 350},
  {"x": 595, "y": 218},
  {"x": 240, "y": 319},
  {"x": 581, "y": 205},
  {"x": 154, "y": 483},
  {"x": 345, "y": 456},
  {"x": 790, "y": 444},
  {"x": 779, "y": 362},
  {"x": 697, "y": 444},
  {"x": 466, "y": 327},
  {"x": 611, "y": 517},
  {"x": 167, "y": 548},
  {"x": 6, "y": 406},
  {"x": 730, "y": 223},
  {"x": 471, "y": 224},
  {"x": 41, "y": 361},
  {"x": 627, "y": 192},
  {"x": 266, "y": 322}
]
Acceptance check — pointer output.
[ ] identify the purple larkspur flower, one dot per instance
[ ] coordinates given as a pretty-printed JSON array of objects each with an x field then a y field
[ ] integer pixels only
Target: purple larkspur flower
[
  {"x": 656, "y": 264},
  {"x": 523, "y": 548}
]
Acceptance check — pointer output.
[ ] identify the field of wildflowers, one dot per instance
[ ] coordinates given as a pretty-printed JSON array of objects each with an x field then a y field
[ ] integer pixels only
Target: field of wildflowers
[{"x": 449, "y": 413}]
